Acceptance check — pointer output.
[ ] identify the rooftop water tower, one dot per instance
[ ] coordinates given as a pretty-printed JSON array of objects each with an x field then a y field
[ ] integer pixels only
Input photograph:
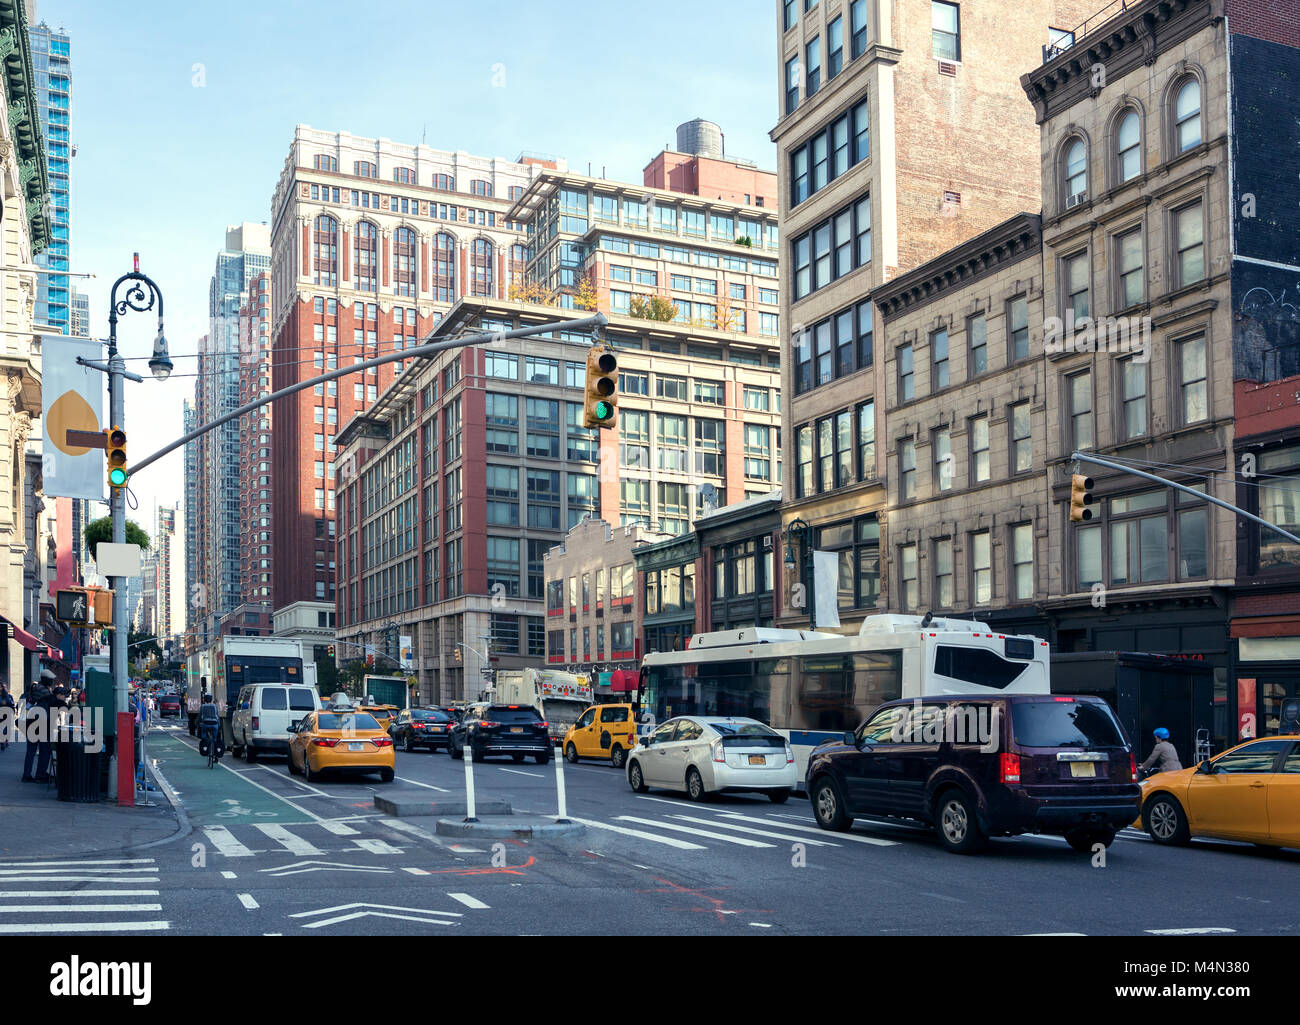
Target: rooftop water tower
[{"x": 701, "y": 138}]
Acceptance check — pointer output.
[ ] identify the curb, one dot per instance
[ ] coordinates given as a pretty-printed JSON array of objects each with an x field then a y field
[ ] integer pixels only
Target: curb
[
  {"x": 510, "y": 829},
  {"x": 422, "y": 807},
  {"x": 183, "y": 826}
]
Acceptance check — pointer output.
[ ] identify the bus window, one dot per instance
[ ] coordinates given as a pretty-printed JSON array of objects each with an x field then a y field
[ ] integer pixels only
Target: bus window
[
  {"x": 837, "y": 692},
  {"x": 979, "y": 666},
  {"x": 877, "y": 678}
]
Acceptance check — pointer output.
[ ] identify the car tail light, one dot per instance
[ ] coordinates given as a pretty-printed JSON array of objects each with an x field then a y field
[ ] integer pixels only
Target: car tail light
[
  {"x": 325, "y": 741},
  {"x": 382, "y": 741},
  {"x": 488, "y": 722},
  {"x": 543, "y": 724},
  {"x": 1132, "y": 768},
  {"x": 1010, "y": 768},
  {"x": 719, "y": 755},
  {"x": 255, "y": 722},
  {"x": 789, "y": 755}
]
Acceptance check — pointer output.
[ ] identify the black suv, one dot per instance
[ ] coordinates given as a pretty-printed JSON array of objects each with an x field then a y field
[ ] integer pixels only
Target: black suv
[
  {"x": 516, "y": 730},
  {"x": 422, "y": 727},
  {"x": 979, "y": 766}
]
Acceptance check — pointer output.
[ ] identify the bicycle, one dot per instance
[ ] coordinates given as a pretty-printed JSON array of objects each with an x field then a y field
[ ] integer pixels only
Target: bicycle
[{"x": 210, "y": 741}]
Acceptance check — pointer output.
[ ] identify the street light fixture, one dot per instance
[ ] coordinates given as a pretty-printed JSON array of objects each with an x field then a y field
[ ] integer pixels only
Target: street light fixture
[
  {"x": 798, "y": 528},
  {"x": 161, "y": 364}
]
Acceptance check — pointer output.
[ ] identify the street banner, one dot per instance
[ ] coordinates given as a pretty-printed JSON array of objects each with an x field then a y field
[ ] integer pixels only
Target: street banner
[
  {"x": 73, "y": 399},
  {"x": 826, "y": 588},
  {"x": 408, "y": 655}
]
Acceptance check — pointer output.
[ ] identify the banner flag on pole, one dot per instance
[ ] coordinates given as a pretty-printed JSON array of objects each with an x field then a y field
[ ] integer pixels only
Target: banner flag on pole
[
  {"x": 826, "y": 588},
  {"x": 72, "y": 399}
]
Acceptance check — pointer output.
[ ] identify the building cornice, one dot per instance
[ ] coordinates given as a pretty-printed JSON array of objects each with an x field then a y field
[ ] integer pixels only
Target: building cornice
[{"x": 24, "y": 122}]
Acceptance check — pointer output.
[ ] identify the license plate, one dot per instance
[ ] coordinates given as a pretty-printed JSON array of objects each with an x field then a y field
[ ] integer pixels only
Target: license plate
[
  {"x": 757, "y": 760},
  {"x": 516, "y": 729},
  {"x": 437, "y": 729},
  {"x": 356, "y": 747},
  {"x": 1083, "y": 769}
]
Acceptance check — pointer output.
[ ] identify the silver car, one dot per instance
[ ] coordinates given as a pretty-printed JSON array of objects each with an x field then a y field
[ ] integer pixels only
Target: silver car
[{"x": 704, "y": 755}]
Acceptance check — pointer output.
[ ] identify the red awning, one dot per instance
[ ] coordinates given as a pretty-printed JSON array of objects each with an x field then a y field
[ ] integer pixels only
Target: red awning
[
  {"x": 29, "y": 641},
  {"x": 623, "y": 680}
]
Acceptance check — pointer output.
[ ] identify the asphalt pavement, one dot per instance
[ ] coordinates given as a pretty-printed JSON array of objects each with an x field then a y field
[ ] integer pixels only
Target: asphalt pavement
[{"x": 268, "y": 854}]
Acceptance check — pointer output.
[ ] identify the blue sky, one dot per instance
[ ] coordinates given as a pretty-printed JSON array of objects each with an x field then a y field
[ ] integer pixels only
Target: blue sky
[{"x": 163, "y": 165}]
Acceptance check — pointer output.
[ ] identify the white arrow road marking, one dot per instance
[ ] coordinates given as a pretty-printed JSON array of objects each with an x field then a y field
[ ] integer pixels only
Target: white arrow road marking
[
  {"x": 740, "y": 840},
  {"x": 427, "y": 786},
  {"x": 671, "y": 841},
  {"x": 337, "y": 828},
  {"x": 22, "y": 894},
  {"x": 467, "y": 900},
  {"x": 758, "y": 832},
  {"x": 850, "y": 837},
  {"x": 1189, "y": 932},
  {"x": 70, "y": 927},
  {"x": 381, "y": 907},
  {"x": 293, "y": 844},
  {"x": 375, "y": 846},
  {"x": 246, "y": 899},
  {"x": 27, "y": 909},
  {"x": 225, "y": 843},
  {"x": 374, "y": 914}
]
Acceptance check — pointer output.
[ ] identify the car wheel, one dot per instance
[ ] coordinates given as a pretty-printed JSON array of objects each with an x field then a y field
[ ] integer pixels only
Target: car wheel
[
  {"x": 618, "y": 757},
  {"x": 250, "y": 754},
  {"x": 517, "y": 758},
  {"x": 958, "y": 828},
  {"x": 778, "y": 796},
  {"x": 635, "y": 779},
  {"x": 407, "y": 746},
  {"x": 695, "y": 785},
  {"x": 543, "y": 759},
  {"x": 828, "y": 806},
  {"x": 306, "y": 769},
  {"x": 293, "y": 769},
  {"x": 386, "y": 775},
  {"x": 1165, "y": 821},
  {"x": 476, "y": 753},
  {"x": 455, "y": 750},
  {"x": 571, "y": 754},
  {"x": 237, "y": 750}
]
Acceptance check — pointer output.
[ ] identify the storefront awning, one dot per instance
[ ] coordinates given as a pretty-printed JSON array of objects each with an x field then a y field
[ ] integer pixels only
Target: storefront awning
[
  {"x": 29, "y": 641},
  {"x": 623, "y": 680}
]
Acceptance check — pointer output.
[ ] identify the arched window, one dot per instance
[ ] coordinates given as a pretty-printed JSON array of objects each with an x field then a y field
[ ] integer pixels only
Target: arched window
[
  {"x": 1128, "y": 147},
  {"x": 325, "y": 251},
  {"x": 444, "y": 268},
  {"x": 404, "y": 264},
  {"x": 518, "y": 263},
  {"x": 479, "y": 187},
  {"x": 444, "y": 182},
  {"x": 403, "y": 176},
  {"x": 1076, "y": 172},
  {"x": 480, "y": 267},
  {"x": 1187, "y": 115},
  {"x": 365, "y": 169},
  {"x": 326, "y": 163},
  {"x": 367, "y": 257}
]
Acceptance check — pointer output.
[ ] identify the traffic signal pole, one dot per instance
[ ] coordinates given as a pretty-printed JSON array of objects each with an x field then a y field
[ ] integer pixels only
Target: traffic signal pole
[{"x": 1083, "y": 457}]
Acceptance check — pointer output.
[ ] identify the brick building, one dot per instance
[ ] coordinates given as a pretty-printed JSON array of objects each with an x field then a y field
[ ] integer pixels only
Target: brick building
[{"x": 256, "y": 543}]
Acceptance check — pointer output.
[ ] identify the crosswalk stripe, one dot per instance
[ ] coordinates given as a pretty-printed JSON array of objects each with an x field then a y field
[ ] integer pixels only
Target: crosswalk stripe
[
  {"x": 247, "y": 900},
  {"x": 375, "y": 846},
  {"x": 70, "y": 927},
  {"x": 290, "y": 842},
  {"x": 671, "y": 841},
  {"x": 338, "y": 828},
  {"x": 225, "y": 843},
  {"x": 468, "y": 901},
  {"x": 55, "y": 872},
  {"x": 758, "y": 832},
  {"x": 850, "y": 837},
  {"x": 739, "y": 840},
  {"x": 412, "y": 829},
  {"x": 102, "y": 880},
  {"x": 102, "y": 861},
  {"x": 9, "y": 909},
  {"x": 26, "y": 894}
]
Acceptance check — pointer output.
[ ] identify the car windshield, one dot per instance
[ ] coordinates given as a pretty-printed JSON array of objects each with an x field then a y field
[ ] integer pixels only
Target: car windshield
[
  {"x": 361, "y": 721},
  {"x": 1064, "y": 724},
  {"x": 427, "y": 716},
  {"x": 742, "y": 729}
]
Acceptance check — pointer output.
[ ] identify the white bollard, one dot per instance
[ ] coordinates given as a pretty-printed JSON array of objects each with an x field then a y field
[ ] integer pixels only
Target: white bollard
[
  {"x": 559, "y": 787},
  {"x": 468, "y": 758}
]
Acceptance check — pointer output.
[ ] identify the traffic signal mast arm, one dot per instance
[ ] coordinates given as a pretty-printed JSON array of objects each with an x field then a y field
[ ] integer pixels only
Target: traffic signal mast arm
[{"x": 1085, "y": 458}]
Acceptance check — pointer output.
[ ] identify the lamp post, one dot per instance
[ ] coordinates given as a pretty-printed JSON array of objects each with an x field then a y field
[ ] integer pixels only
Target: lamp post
[
  {"x": 141, "y": 294},
  {"x": 800, "y": 529}
]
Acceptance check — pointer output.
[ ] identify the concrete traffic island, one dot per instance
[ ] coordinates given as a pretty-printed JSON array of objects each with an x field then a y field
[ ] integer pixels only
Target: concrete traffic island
[
  {"x": 510, "y": 827},
  {"x": 416, "y": 804}
]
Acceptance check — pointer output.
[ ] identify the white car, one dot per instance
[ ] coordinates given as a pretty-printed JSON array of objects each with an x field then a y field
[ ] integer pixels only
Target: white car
[
  {"x": 260, "y": 722},
  {"x": 704, "y": 755}
]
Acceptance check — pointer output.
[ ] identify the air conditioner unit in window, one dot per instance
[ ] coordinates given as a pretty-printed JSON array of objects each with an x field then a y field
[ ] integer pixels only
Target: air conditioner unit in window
[
  {"x": 1075, "y": 200},
  {"x": 947, "y": 68}
]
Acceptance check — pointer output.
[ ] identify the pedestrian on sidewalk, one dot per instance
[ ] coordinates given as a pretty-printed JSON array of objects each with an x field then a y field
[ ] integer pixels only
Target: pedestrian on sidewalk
[
  {"x": 8, "y": 716},
  {"x": 42, "y": 702}
]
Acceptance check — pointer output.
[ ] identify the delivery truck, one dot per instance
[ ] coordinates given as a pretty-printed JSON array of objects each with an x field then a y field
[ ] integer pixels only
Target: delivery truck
[
  {"x": 230, "y": 663},
  {"x": 386, "y": 690}
]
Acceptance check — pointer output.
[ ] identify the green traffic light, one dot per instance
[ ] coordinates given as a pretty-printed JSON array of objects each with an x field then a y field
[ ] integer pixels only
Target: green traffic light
[
  {"x": 117, "y": 477},
  {"x": 604, "y": 410}
]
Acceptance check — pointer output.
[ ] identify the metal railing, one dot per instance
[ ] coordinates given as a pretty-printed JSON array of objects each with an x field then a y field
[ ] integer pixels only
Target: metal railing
[{"x": 1053, "y": 50}]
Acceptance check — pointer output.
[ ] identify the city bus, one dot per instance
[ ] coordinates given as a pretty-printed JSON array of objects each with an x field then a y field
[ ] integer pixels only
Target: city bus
[{"x": 811, "y": 687}]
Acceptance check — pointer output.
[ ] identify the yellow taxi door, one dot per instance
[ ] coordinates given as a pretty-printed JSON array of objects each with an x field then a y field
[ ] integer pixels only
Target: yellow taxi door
[
  {"x": 583, "y": 733},
  {"x": 1284, "y": 801},
  {"x": 1232, "y": 801}
]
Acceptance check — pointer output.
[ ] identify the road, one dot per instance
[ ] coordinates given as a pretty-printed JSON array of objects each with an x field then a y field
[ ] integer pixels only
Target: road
[{"x": 270, "y": 854}]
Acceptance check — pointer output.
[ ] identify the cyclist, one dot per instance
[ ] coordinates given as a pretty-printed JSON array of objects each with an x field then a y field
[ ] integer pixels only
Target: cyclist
[
  {"x": 1164, "y": 758},
  {"x": 210, "y": 724}
]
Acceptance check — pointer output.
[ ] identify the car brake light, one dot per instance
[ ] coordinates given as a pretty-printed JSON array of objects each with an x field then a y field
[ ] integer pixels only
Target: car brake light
[
  {"x": 719, "y": 755},
  {"x": 1068, "y": 701},
  {"x": 382, "y": 741},
  {"x": 1010, "y": 768},
  {"x": 1132, "y": 768},
  {"x": 488, "y": 722},
  {"x": 543, "y": 724},
  {"x": 255, "y": 722},
  {"x": 325, "y": 741}
]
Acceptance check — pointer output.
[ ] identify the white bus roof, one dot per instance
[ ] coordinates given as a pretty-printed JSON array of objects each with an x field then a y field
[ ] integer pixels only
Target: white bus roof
[
  {"x": 906, "y": 624},
  {"x": 872, "y": 625}
]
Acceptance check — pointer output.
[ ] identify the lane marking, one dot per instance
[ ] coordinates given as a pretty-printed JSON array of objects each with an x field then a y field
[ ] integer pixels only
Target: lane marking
[
  {"x": 726, "y": 838},
  {"x": 279, "y": 797},
  {"x": 101, "y": 880},
  {"x": 664, "y": 800},
  {"x": 760, "y": 925},
  {"x": 246, "y": 899},
  {"x": 87, "y": 908},
  {"x": 337, "y": 828},
  {"x": 52, "y": 872},
  {"x": 1211, "y": 931},
  {"x": 296, "y": 782},
  {"x": 104, "y": 861},
  {"x": 520, "y": 772},
  {"x": 61, "y": 927},
  {"x": 292, "y": 843},
  {"x": 671, "y": 841},
  {"x": 412, "y": 829},
  {"x": 468, "y": 901},
  {"x": 384, "y": 907},
  {"x": 851, "y": 837},
  {"x": 1053, "y": 934},
  {"x": 427, "y": 786},
  {"x": 376, "y": 846},
  {"x": 381, "y": 914},
  {"x": 225, "y": 843},
  {"x": 416, "y": 871},
  {"x": 27, "y": 894},
  {"x": 758, "y": 832},
  {"x": 227, "y": 875}
]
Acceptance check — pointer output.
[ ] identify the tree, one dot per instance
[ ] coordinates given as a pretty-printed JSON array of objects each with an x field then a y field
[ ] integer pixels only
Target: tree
[
  {"x": 143, "y": 648},
  {"x": 101, "y": 532},
  {"x": 532, "y": 292},
  {"x": 586, "y": 296},
  {"x": 745, "y": 241},
  {"x": 327, "y": 677},
  {"x": 351, "y": 675},
  {"x": 653, "y": 307},
  {"x": 724, "y": 315}
]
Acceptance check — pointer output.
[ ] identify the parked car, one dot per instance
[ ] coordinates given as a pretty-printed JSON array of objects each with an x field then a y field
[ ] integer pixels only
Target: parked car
[
  {"x": 328, "y": 741},
  {"x": 260, "y": 722},
  {"x": 169, "y": 705},
  {"x": 705, "y": 755},
  {"x": 421, "y": 727},
  {"x": 602, "y": 731},
  {"x": 516, "y": 730},
  {"x": 1251, "y": 792},
  {"x": 976, "y": 767}
]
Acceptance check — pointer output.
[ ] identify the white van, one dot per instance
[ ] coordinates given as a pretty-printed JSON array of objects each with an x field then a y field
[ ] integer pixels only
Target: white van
[{"x": 265, "y": 711}]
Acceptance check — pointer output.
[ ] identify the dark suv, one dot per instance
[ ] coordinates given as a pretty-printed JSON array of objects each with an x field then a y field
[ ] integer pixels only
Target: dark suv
[
  {"x": 975, "y": 767},
  {"x": 516, "y": 730},
  {"x": 421, "y": 727}
]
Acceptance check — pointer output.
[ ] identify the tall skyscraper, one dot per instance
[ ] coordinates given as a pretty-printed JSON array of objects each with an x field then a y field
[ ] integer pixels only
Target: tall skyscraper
[{"x": 52, "y": 71}]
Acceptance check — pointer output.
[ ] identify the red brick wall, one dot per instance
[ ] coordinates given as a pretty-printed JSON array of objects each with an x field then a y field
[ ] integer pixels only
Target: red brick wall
[
  {"x": 1266, "y": 408},
  {"x": 1271, "y": 20}
]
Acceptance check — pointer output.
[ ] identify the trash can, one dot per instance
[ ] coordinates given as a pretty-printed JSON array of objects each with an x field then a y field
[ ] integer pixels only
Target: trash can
[{"x": 78, "y": 767}]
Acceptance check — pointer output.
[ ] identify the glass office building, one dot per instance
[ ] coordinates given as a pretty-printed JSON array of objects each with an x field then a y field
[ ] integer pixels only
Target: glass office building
[{"x": 52, "y": 68}]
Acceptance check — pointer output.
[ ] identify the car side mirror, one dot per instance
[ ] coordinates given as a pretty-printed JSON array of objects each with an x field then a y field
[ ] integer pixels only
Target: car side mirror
[
  {"x": 850, "y": 738},
  {"x": 1206, "y": 767},
  {"x": 648, "y": 739}
]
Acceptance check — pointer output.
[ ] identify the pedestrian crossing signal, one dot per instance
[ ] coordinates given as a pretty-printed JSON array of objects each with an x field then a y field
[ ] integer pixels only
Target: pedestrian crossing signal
[{"x": 601, "y": 406}]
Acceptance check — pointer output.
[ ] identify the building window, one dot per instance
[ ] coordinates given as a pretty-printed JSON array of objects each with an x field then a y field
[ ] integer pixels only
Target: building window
[
  {"x": 1187, "y": 115},
  {"x": 910, "y": 591},
  {"x": 478, "y": 187},
  {"x": 1080, "y": 400},
  {"x": 503, "y": 570},
  {"x": 944, "y": 595},
  {"x": 1128, "y": 147},
  {"x": 1279, "y": 502},
  {"x": 323, "y": 162},
  {"x": 1076, "y": 283},
  {"x": 1193, "y": 385},
  {"x": 366, "y": 260},
  {"x": 946, "y": 31},
  {"x": 791, "y": 15},
  {"x": 365, "y": 169},
  {"x": 481, "y": 269},
  {"x": 943, "y": 460},
  {"x": 443, "y": 281},
  {"x": 544, "y": 499},
  {"x": 1189, "y": 238},
  {"x": 1132, "y": 279},
  {"x": 1022, "y": 449},
  {"x": 804, "y": 448},
  {"x": 981, "y": 565},
  {"x": 1022, "y": 562},
  {"x": 814, "y": 70},
  {"x": 907, "y": 469},
  {"x": 834, "y": 47},
  {"x": 857, "y": 544},
  {"x": 791, "y": 84},
  {"x": 906, "y": 371},
  {"x": 326, "y": 252},
  {"x": 502, "y": 483},
  {"x": 858, "y": 27},
  {"x": 1018, "y": 327},
  {"x": 404, "y": 264},
  {"x": 939, "y": 348},
  {"x": 1133, "y": 395},
  {"x": 979, "y": 449},
  {"x": 1076, "y": 172}
]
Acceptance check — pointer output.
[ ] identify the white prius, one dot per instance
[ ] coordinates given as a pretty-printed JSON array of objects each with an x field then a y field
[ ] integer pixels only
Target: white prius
[{"x": 704, "y": 755}]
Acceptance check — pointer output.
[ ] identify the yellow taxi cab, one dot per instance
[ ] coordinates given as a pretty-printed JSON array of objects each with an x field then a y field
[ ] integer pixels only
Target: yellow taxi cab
[
  {"x": 1251, "y": 792},
  {"x": 602, "y": 731},
  {"x": 339, "y": 739},
  {"x": 385, "y": 714}
]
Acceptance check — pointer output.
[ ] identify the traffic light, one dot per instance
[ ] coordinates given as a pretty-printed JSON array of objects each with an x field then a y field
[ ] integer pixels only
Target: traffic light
[
  {"x": 1080, "y": 498},
  {"x": 601, "y": 406},
  {"x": 116, "y": 457},
  {"x": 457, "y": 653},
  {"x": 331, "y": 651},
  {"x": 103, "y": 607}
]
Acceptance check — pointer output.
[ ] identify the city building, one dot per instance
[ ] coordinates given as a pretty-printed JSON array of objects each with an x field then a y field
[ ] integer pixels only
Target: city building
[
  {"x": 372, "y": 242},
  {"x": 256, "y": 544},
  {"x": 25, "y": 232},
  {"x": 458, "y": 480},
  {"x": 593, "y": 613},
  {"x": 169, "y": 544},
  {"x": 52, "y": 75},
  {"x": 80, "y": 326},
  {"x": 314, "y": 627},
  {"x": 700, "y": 167},
  {"x": 902, "y": 132},
  {"x": 196, "y": 636}
]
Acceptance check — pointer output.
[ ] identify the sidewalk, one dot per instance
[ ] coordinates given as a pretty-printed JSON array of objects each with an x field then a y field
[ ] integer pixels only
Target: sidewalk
[{"x": 34, "y": 823}]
